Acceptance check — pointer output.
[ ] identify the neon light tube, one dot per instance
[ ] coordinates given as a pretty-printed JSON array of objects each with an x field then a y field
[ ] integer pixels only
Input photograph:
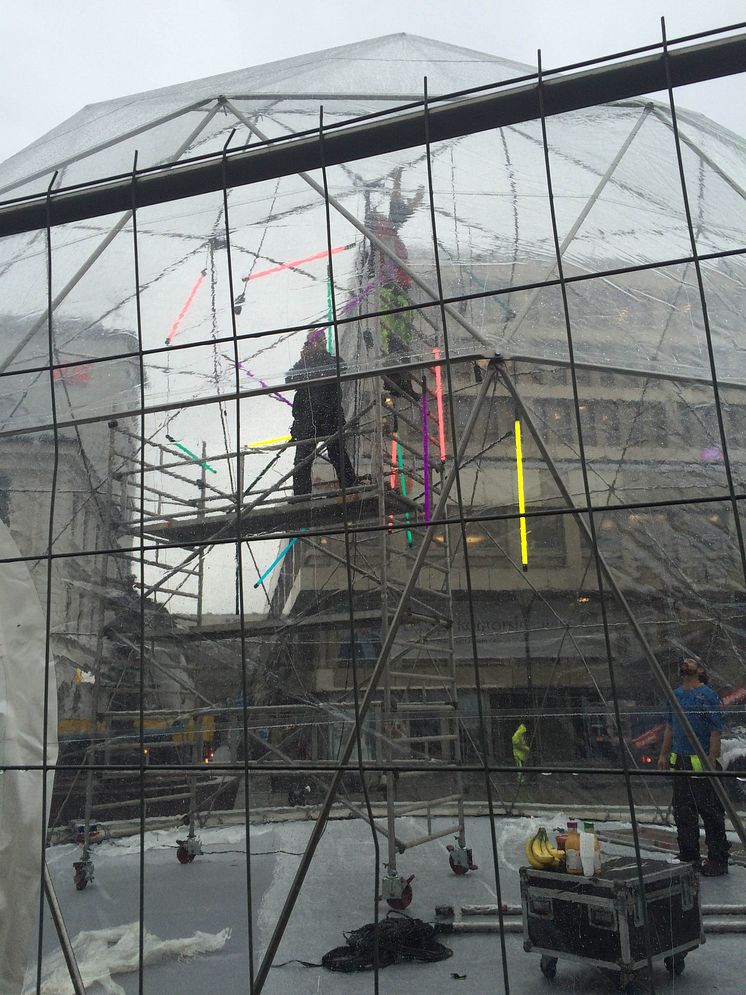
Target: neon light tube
[
  {"x": 439, "y": 399},
  {"x": 400, "y": 460},
  {"x": 277, "y": 396},
  {"x": 267, "y": 442},
  {"x": 354, "y": 301},
  {"x": 425, "y": 452},
  {"x": 392, "y": 475},
  {"x": 190, "y": 453},
  {"x": 297, "y": 262},
  {"x": 187, "y": 305},
  {"x": 521, "y": 494},
  {"x": 277, "y": 559},
  {"x": 329, "y": 314}
]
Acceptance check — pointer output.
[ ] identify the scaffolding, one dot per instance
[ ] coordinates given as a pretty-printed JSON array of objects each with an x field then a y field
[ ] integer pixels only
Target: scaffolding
[
  {"x": 418, "y": 378},
  {"x": 419, "y": 686}
]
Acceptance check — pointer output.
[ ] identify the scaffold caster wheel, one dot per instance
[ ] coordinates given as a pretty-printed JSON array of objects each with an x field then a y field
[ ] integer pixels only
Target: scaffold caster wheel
[
  {"x": 460, "y": 858},
  {"x": 456, "y": 867},
  {"x": 83, "y": 873},
  {"x": 675, "y": 965},
  {"x": 188, "y": 849},
  {"x": 549, "y": 966},
  {"x": 405, "y": 901}
]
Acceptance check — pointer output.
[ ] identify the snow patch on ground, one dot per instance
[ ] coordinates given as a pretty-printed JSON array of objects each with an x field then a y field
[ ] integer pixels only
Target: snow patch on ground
[{"x": 102, "y": 953}]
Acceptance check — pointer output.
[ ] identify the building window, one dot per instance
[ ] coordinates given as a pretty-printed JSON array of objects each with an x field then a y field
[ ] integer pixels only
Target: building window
[
  {"x": 367, "y": 647},
  {"x": 558, "y": 418},
  {"x": 607, "y": 423},
  {"x": 547, "y": 543}
]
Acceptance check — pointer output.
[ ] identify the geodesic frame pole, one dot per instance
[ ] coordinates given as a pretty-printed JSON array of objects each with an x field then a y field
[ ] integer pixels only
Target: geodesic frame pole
[
  {"x": 102, "y": 246},
  {"x": 608, "y": 573},
  {"x": 379, "y": 244},
  {"x": 585, "y": 211},
  {"x": 62, "y": 934},
  {"x": 378, "y": 671}
]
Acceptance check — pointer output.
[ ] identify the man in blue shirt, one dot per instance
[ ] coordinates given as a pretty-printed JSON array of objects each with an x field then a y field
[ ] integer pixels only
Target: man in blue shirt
[{"x": 694, "y": 796}]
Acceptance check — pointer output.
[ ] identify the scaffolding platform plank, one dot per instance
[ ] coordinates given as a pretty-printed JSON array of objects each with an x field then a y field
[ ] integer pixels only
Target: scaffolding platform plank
[{"x": 314, "y": 515}]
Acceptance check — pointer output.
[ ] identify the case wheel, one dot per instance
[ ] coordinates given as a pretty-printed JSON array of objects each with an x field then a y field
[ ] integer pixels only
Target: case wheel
[
  {"x": 405, "y": 901},
  {"x": 675, "y": 965},
  {"x": 183, "y": 855},
  {"x": 456, "y": 867},
  {"x": 548, "y": 966}
]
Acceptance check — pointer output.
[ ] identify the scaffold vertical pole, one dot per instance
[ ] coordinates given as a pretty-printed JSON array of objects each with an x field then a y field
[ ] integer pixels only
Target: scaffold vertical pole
[
  {"x": 66, "y": 946},
  {"x": 106, "y": 532},
  {"x": 201, "y": 510}
]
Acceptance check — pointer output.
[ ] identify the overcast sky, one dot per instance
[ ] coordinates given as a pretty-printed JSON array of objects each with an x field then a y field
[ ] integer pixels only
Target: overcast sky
[{"x": 58, "y": 55}]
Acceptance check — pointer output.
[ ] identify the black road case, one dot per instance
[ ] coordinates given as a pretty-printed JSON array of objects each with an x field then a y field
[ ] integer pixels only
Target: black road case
[{"x": 601, "y": 920}]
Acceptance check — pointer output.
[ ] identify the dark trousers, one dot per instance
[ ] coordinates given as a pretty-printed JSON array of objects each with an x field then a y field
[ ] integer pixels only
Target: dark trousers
[
  {"x": 694, "y": 797},
  {"x": 338, "y": 456}
]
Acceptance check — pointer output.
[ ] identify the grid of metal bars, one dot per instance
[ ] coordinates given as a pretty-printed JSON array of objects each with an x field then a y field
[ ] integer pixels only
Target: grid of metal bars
[{"x": 458, "y": 515}]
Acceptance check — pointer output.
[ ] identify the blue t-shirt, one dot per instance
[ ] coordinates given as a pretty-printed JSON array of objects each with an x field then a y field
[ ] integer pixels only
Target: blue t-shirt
[{"x": 702, "y": 707}]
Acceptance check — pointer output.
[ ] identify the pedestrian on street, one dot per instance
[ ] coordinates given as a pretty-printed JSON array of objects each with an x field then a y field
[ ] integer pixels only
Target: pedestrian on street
[
  {"x": 521, "y": 748},
  {"x": 695, "y": 796}
]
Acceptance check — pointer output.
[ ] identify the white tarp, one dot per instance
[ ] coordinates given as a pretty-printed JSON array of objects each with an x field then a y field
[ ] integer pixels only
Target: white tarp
[
  {"x": 22, "y": 641},
  {"x": 102, "y": 953}
]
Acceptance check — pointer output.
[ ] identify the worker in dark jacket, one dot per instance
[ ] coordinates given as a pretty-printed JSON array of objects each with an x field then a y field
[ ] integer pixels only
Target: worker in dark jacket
[
  {"x": 695, "y": 796},
  {"x": 316, "y": 413}
]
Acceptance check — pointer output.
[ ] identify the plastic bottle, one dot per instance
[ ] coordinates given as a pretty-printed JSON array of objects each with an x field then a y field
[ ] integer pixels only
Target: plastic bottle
[
  {"x": 589, "y": 828},
  {"x": 573, "y": 863}
]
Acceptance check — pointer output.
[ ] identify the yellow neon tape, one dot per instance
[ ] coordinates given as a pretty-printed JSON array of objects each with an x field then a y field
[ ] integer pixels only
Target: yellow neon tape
[
  {"x": 521, "y": 493},
  {"x": 267, "y": 442}
]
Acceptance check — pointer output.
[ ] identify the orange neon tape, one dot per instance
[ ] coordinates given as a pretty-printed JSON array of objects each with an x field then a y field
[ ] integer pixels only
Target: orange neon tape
[
  {"x": 439, "y": 400},
  {"x": 295, "y": 262},
  {"x": 187, "y": 305}
]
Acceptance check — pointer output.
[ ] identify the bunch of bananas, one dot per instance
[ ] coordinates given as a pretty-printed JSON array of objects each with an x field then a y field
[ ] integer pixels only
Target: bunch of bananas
[{"x": 540, "y": 853}]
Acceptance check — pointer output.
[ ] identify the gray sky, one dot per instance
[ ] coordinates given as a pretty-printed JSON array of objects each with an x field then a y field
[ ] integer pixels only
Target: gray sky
[{"x": 58, "y": 55}]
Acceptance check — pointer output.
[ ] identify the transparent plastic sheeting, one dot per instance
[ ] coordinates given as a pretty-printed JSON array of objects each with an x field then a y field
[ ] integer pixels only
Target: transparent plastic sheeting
[
  {"x": 225, "y": 645},
  {"x": 619, "y": 205},
  {"x": 367, "y": 76},
  {"x": 24, "y": 739}
]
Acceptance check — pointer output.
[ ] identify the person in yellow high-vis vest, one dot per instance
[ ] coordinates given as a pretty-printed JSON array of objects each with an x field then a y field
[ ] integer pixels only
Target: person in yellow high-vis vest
[
  {"x": 695, "y": 796},
  {"x": 521, "y": 748}
]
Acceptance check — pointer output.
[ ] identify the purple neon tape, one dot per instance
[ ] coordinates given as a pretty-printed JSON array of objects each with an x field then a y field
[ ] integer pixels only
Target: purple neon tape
[
  {"x": 247, "y": 371},
  {"x": 426, "y": 451}
]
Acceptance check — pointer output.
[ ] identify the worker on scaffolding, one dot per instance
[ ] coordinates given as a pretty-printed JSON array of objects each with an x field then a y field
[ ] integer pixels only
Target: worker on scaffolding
[
  {"x": 396, "y": 283},
  {"x": 317, "y": 413},
  {"x": 521, "y": 748},
  {"x": 695, "y": 796}
]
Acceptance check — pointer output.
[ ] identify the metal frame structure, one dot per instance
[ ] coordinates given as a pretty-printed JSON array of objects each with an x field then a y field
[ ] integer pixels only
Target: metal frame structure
[{"x": 218, "y": 517}]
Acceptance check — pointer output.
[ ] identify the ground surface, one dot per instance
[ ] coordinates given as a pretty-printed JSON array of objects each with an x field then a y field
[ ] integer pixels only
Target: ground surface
[{"x": 211, "y": 894}]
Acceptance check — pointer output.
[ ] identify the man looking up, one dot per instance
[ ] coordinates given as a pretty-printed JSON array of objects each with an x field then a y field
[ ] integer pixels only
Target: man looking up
[{"x": 695, "y": 796}]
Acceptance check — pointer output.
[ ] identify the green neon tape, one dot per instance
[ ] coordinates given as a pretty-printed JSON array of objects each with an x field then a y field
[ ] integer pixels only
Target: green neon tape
[
  {"x": 193, "y": 455},
  {"x": 403, "y": 484},
  {"x": 330, "y": 314}
]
